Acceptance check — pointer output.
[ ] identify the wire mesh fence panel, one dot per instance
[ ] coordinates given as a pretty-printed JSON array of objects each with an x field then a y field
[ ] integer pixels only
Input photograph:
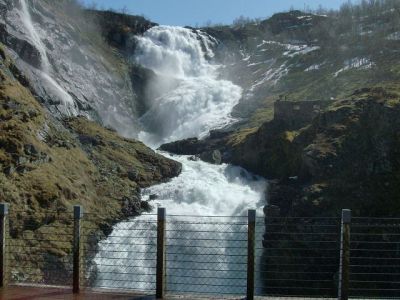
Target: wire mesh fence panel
[
  {"x": 375, "y": 258},
  {"x": 39, "y": 247},
  {"x": 206, "y": 255},
  {"x": 297, "y": 256},
  {"x": 121, "y": 257}
]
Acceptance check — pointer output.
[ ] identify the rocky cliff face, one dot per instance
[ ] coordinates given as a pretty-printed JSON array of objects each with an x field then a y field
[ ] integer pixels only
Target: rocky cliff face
[{"x": 88, "y": 70}]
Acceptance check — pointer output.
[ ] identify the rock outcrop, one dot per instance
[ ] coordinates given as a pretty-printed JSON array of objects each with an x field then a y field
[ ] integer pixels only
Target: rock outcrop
[
  {"x": 347, "y": 157},
  {"x": 48, "y": 164}
]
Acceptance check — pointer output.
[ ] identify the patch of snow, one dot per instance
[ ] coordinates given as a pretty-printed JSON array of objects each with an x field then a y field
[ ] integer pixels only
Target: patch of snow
[
  {"x": 272, "y": 75},
  {"x": 361, "y": 63},
  {"x": 395, "y": 36},
  {"x": 313, "y": 67},
  {"x": 246, "y": 58},
  {"x": 262, "y": 44},
  {"x": 300, "y": 50},
  {"x": 254, "y": 64}
]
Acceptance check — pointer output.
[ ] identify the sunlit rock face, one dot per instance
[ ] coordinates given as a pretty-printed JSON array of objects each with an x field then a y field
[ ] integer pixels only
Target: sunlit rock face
[{"x": 69, "y": 65}]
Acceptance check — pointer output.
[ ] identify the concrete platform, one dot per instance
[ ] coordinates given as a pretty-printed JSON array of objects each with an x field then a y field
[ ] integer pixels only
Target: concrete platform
[{"x": 62, "y": 293}]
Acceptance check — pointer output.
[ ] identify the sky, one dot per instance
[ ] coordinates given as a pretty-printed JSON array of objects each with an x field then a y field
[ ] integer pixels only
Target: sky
[{"x": 201, "y": 12}]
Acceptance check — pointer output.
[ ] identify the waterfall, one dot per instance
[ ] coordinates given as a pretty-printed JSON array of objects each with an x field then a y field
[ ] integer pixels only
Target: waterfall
[
  {"x": 187, "y": 99},
  {"x": 53, "y": 88}
]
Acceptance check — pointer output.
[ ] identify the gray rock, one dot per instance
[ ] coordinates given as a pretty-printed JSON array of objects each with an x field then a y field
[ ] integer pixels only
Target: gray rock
[
  {"x": 213, "y": 157},
  {"x": 133, "y": 174}
]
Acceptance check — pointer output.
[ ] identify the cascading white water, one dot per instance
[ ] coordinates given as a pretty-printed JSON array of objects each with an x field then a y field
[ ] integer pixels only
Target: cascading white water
[
  {"x": 188, "y": 100},
  {"x": 54, "y": 89}
]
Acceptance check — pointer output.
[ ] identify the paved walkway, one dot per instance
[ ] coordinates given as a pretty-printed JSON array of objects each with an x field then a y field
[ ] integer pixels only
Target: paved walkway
[{"x": 58, "y": 293}]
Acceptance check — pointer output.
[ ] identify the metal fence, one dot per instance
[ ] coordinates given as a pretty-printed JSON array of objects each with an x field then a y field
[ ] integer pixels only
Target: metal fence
[
  {"x": 204, "y": 255},
  {"x": 375, "y": 258},
  {"x": 36, "y": 253},
  {"x": 126, "y": 259},
  {"x": 298, "y": 257}
]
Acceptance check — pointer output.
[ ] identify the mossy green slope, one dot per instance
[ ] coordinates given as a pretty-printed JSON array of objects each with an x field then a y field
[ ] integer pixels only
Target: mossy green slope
[{"x": 49, "y": 165}]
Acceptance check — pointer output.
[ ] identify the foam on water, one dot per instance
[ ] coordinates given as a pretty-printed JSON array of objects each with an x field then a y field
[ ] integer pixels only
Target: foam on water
[{"x": 187, "y": 97}]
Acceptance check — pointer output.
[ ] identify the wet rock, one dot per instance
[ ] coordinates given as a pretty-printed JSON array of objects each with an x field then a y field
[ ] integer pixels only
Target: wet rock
[
  {"x": 213, "y": 157},
  {"x": 90, "y": 140},
  {"x": 133, "y": 175},
  {"x": 24, "y": 49},
  {"x": 153, "y": 197},
  {"x": 9, "y": 170},
  {"x": 30, "y": 150}
]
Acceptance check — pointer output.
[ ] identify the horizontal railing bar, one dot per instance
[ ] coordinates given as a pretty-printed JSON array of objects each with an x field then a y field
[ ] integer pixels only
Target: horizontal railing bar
[
  {"x": 206, "y": 247},
  {"x": 279, "y": 265},
  {"x": 372, "y": 242},
  {"x": 301, "y": 257},
  {"x": 294, "y": 287},
  {"x": 375, "y": 258},
  {"x": 211, "y": 254},
  {"x": 206, "y": 216},
  {"x": 116, "y": 251},
  {"x": 127, "y": 258},
  {"x": 37, "y": 240},
  {"x": 197, "y": 292},
  {"x": 367, "y": 289},
  {"x": 299, "y": 241},
  {"x": 300, "y": 249},
  {"x": 120, "y": 273},
  {"x": 298, "y": 225},
  {"x": 304, "y": 218},
  {"x": 377, "y": 273},
  {"x": 374, "y": 281},
  {"x": 205, "y": 277},
  {"x": 206, "y": 223},
  {"x": 375, "y": 234},
  {"x": 206, "y": 239},
  {"x": 206, "y": 262},
  {"x": 206, "y": 284},
  {"x": 126, "y": 280},
  {"x": 374, "y": 266},
  {"x": 300, "y": 233},
  {"x": 43, "y": 270},
  {"x": 295, "y": 280},
  {"x": 206, "y": 231},
  {"x": 373, "y": 250},
  {"x": 127, "y": 244},
  {"x": 206, "y": 269},
  {"x": 127, "y": 266},
  {"x": 300, "y": 272},
  {"x": 127, "y": 288}
]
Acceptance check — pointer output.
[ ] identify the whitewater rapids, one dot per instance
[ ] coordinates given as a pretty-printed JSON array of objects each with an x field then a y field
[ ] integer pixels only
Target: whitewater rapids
[{"x": 187, "y": 99}]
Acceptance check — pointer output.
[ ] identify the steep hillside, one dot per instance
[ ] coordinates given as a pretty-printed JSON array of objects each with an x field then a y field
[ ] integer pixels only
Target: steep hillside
[
  {"x": 305, "y": 56},
  {"x": 77, "y": 61},
  {"x": 49, "y": 164}
]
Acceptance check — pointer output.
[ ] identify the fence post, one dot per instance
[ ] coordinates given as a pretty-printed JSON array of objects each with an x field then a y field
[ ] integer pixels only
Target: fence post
[
  {"x": 344, "y": 268},
  {"x": 160, "y": 273},
  {"x": 78, "y": 213},
  {"x": 3, "y": 241},
  {"x": 251, "y": 237}
]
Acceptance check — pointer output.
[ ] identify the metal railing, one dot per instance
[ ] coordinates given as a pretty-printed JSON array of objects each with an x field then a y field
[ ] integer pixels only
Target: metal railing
[
  {"x": 39, "y": 254},
  {"x": 298, "y": 257},
  {"x": 204, "y": 255}
]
